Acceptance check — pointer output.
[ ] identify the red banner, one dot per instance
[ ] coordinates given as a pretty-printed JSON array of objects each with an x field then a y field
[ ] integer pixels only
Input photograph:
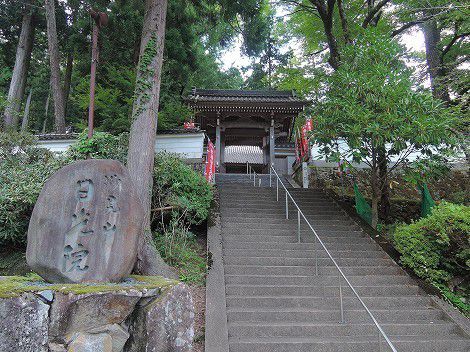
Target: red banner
[
  {"x": 297, "y": 149},
  {"x": 304, "y": 137},
  {"x": 210, "y": 162},
  {"x": 189, "y": 124},
  {"x": 309, "y": 124}
]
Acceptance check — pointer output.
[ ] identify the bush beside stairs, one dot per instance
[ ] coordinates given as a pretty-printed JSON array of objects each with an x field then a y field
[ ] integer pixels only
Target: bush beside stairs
[{"x": 275, "y": 302}]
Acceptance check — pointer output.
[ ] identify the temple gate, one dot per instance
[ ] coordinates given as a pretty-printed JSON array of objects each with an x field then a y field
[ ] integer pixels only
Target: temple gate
[{"x": 245, "y": 118}]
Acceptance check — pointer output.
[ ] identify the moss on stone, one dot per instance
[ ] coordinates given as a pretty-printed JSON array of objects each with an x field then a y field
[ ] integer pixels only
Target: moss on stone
[{"x": 13, "y": 286}]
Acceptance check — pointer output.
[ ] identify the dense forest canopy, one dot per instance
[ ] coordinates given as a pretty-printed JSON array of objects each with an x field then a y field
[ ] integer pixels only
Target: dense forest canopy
[{"x": 290, "y": 45}]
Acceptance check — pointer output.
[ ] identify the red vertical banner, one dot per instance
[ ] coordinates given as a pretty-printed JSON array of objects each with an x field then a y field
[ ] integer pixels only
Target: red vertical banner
[
  {"x": 305, "y": 147},
  {"x": 297, "y": 150},
  {"x": 309, "y": 124},
  {"x": 210, "y": 162}
]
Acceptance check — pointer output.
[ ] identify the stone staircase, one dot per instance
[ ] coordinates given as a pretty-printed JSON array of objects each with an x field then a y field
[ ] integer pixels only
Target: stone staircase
[{"x": 275, "y": 302}]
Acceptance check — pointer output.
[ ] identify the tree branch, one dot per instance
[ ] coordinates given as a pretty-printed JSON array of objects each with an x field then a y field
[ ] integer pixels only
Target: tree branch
[
  {"x": 371, "y": 15},
  {"x": 452, "y": 42},
  {"x": 344, "y": 22}
]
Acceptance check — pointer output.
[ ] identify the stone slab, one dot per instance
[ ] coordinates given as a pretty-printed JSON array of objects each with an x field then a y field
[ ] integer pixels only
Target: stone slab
[{"x": 85, "y": 224}]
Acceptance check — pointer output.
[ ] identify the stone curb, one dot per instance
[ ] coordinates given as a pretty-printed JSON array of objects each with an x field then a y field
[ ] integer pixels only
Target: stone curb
[{"x": 216, "y": 331}]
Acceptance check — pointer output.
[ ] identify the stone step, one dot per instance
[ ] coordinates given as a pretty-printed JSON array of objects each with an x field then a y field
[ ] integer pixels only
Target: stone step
[
  {"x": 231, "y": 269},
  {"x": 321, "y": 291},
  {"x": 333, "y": 222},
  {"x": 310, "y": 253},
  {"x": 373, "y": 280},
  {"x": 266, "y": 214},
  {"x": 292, "y": 229},
  {"x": 307, "y": 238},
  {"x": 293, "y": 315},
  {"x": 268, "y": 203},
  {"x": 392, "y": 302},
  {"x": 363, "y": 244},
  {"x": 279, "y": 329},
  {"x": 322, "y": 262},
  {"x": 450, "y": 343},
  {"x": 286, "y": 226}
]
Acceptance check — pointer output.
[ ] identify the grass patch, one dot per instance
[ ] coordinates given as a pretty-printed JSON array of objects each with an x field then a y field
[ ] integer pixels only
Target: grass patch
[
  {"x": 13, "y": 286},
  {"x": 182, "y": 251}
]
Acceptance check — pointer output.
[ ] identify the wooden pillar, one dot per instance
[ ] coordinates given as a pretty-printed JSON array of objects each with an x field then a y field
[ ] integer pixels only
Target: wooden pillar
[
  {"x": 222, "y": 152},
  {"x": 217, "y": 146},
  {"x": 271, "y": 144},
  {"x": 265, "y": 151}
]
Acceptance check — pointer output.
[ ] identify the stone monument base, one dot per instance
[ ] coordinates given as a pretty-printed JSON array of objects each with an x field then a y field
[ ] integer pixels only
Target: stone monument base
[{"x": 143, "y": 313}]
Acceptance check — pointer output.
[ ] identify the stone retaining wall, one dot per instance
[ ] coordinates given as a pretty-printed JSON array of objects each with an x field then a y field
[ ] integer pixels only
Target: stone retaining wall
[{"x": 147, "y": 314}]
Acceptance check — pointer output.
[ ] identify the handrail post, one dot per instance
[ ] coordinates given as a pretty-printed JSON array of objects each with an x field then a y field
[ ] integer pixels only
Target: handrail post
[
  {"x": 277, "y": 189},
  {"x": 254, "y": 178},
  {"x": 287, "y": 207},
  {"x": 247, "y": 167},
  {"x": 298, "y": 225},
  {"x": 259, "y": 182},
  {"x": 316, "y": 254},
  {"x": 341, "y": 300},
  {"x": 270, "y": 176}
]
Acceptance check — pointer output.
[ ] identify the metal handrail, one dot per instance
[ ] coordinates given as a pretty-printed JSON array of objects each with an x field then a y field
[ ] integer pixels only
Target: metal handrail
[
  {"x": 301, "y": 214},
  {"x": 250, "y": 171}
]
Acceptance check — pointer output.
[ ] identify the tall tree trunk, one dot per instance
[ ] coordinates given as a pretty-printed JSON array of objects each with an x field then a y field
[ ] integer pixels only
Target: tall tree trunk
[
  {"x": 24, "y": 123},
  {"x": 57, "y": 92},
  {"x": 46, "y": 113},
  {"x": 141, "y": 152},
  {"x": 20, "y": 71},
  {"x": 384, "y": 211},
  {"x": 68, "y": 79},
  {"x": 374, "y": 183},
  {"x": 432, "y": 38}
]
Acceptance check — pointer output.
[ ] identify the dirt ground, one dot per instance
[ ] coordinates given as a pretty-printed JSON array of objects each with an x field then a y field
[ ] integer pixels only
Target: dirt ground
[{"x": 199, "y": 298}]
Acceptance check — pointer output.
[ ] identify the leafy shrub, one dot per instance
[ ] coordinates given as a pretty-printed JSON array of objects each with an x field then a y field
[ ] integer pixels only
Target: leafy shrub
[
  {"x": 24, "y": 168},
  {"x": 181, "y": 198},
  {"x": 178, "y": 186},
  {"x": 437, "y": 247},
  {"x": 103, "y": 145}
]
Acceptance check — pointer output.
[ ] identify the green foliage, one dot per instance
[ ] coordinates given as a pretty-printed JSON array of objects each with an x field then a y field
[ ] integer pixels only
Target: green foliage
[
  {"x": 370, "y": 101},
  {"x": 176, "y": 185},
  {"x": 113, "y": 99},
  {"x": 23, "y": 172},
  {"x": 103, "y": 145},
  {"x": 437, "y": 247},
  {"x": 180, "y": 249},
  {"x": 181, "y": 199},
  {"x": 426, "y": 170}
]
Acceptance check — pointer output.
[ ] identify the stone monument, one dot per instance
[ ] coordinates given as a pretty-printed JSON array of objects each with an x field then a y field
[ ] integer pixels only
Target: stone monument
[{"x": 85, "y": 224}]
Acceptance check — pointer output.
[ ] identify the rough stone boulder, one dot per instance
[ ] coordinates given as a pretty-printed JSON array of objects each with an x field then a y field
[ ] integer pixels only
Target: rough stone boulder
[
  {"x": 141, "y": 314},
  {"x": 24, "y": 324},
  {"x": 85, "y": 224},
  {"x": 173, "y": 333}
]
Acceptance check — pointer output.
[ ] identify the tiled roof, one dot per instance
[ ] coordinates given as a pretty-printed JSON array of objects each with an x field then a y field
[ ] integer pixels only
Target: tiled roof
[
  {"x": 240, "y": 154},
  {"x": 260, "y": 96},
  {"x": 56, "y": 136}
]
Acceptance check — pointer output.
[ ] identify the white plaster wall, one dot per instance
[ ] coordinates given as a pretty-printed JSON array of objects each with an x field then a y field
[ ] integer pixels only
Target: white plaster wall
[{"x": 189, "y": 146}]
